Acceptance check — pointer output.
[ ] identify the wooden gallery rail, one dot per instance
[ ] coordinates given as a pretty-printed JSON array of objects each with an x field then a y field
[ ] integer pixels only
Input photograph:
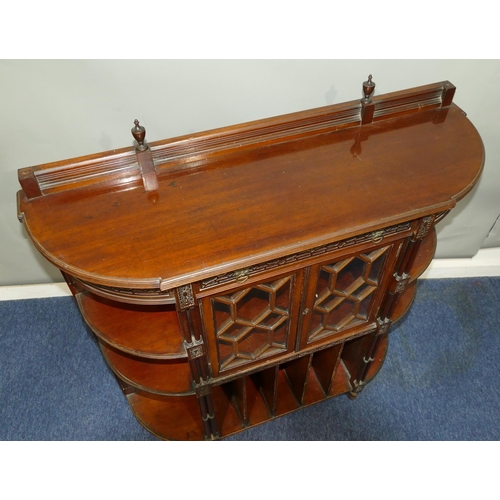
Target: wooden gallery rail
[{"x": 235, "y": 275}]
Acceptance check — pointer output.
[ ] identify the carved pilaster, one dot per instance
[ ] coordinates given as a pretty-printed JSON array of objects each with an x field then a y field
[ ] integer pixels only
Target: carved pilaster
[
  {"x": 383, "y": 326},
  {"x": 195, "y": 351},
  {"x": 203, "y": 391},
  {"x": 185, "y": 297},
  {"x": 425, "y": 226},
  {"x": 358, "y": 382},
  {"x": 198, "y": 365},
  {"x": 358, "y": 386},
  {"x": 191, "y": 326},
  {"x": 401, "y": 282}
]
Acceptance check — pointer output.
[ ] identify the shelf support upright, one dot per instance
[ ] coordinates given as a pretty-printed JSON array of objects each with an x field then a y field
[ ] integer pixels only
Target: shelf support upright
[
  {"x": 191, "y": 327},
  {"x": 399, "y": 282}
]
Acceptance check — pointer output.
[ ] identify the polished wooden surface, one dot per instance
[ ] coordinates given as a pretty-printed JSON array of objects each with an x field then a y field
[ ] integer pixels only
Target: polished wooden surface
[
  {"x": 233, "y": 209},
  {"x": 236, "y": 275}
]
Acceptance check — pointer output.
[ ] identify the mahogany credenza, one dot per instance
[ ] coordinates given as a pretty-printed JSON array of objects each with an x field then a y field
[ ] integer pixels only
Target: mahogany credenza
[{"x": 235, "y": 275}]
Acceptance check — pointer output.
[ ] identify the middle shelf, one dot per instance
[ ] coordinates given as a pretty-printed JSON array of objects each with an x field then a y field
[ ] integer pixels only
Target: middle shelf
[
  {"x": 149, "y": 331},
  {"x": 159, "y": 376}
]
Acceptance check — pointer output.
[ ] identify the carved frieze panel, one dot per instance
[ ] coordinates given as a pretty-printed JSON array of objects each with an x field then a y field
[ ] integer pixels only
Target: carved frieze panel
[{"x": 374, "y": 237}]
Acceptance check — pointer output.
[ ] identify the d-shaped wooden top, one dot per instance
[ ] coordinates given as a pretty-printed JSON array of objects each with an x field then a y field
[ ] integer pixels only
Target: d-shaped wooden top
[{"x": 237, "y": 196}]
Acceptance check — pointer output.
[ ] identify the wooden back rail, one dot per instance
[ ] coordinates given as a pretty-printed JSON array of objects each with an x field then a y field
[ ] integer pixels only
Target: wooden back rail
[{"x": 125, "y": 165}]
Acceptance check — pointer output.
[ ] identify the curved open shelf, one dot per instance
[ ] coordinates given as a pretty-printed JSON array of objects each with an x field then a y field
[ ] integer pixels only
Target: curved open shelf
[
  {"x": 425, "y": 255},
  {"x": 171, "y": 418},
  {"x": 160, "y": 376},
  {"x": 404, "y": 302},
  {"x": 379, "y": 359},
  {"x": 145, "y": 331}
]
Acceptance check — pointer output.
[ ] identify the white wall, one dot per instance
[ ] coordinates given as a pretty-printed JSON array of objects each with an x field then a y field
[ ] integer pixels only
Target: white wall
[{"x": 60, "y": 109}]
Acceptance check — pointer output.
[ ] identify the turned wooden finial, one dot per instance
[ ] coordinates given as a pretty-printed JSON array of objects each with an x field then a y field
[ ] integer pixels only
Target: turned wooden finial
[
  {"x": 145, "y": 158},
  {"x": 139, "y": 133},
  {"x": 368, "y": 88}
]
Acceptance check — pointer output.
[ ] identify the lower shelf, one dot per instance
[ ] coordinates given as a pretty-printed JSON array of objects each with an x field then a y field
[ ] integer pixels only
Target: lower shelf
[
  {"x": 175, "y": 418},
  {"x": 253, "y": 399}
]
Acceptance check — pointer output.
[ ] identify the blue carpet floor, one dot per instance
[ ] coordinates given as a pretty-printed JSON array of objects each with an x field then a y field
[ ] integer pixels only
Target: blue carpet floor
[{"x": 439, "y": 381}]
